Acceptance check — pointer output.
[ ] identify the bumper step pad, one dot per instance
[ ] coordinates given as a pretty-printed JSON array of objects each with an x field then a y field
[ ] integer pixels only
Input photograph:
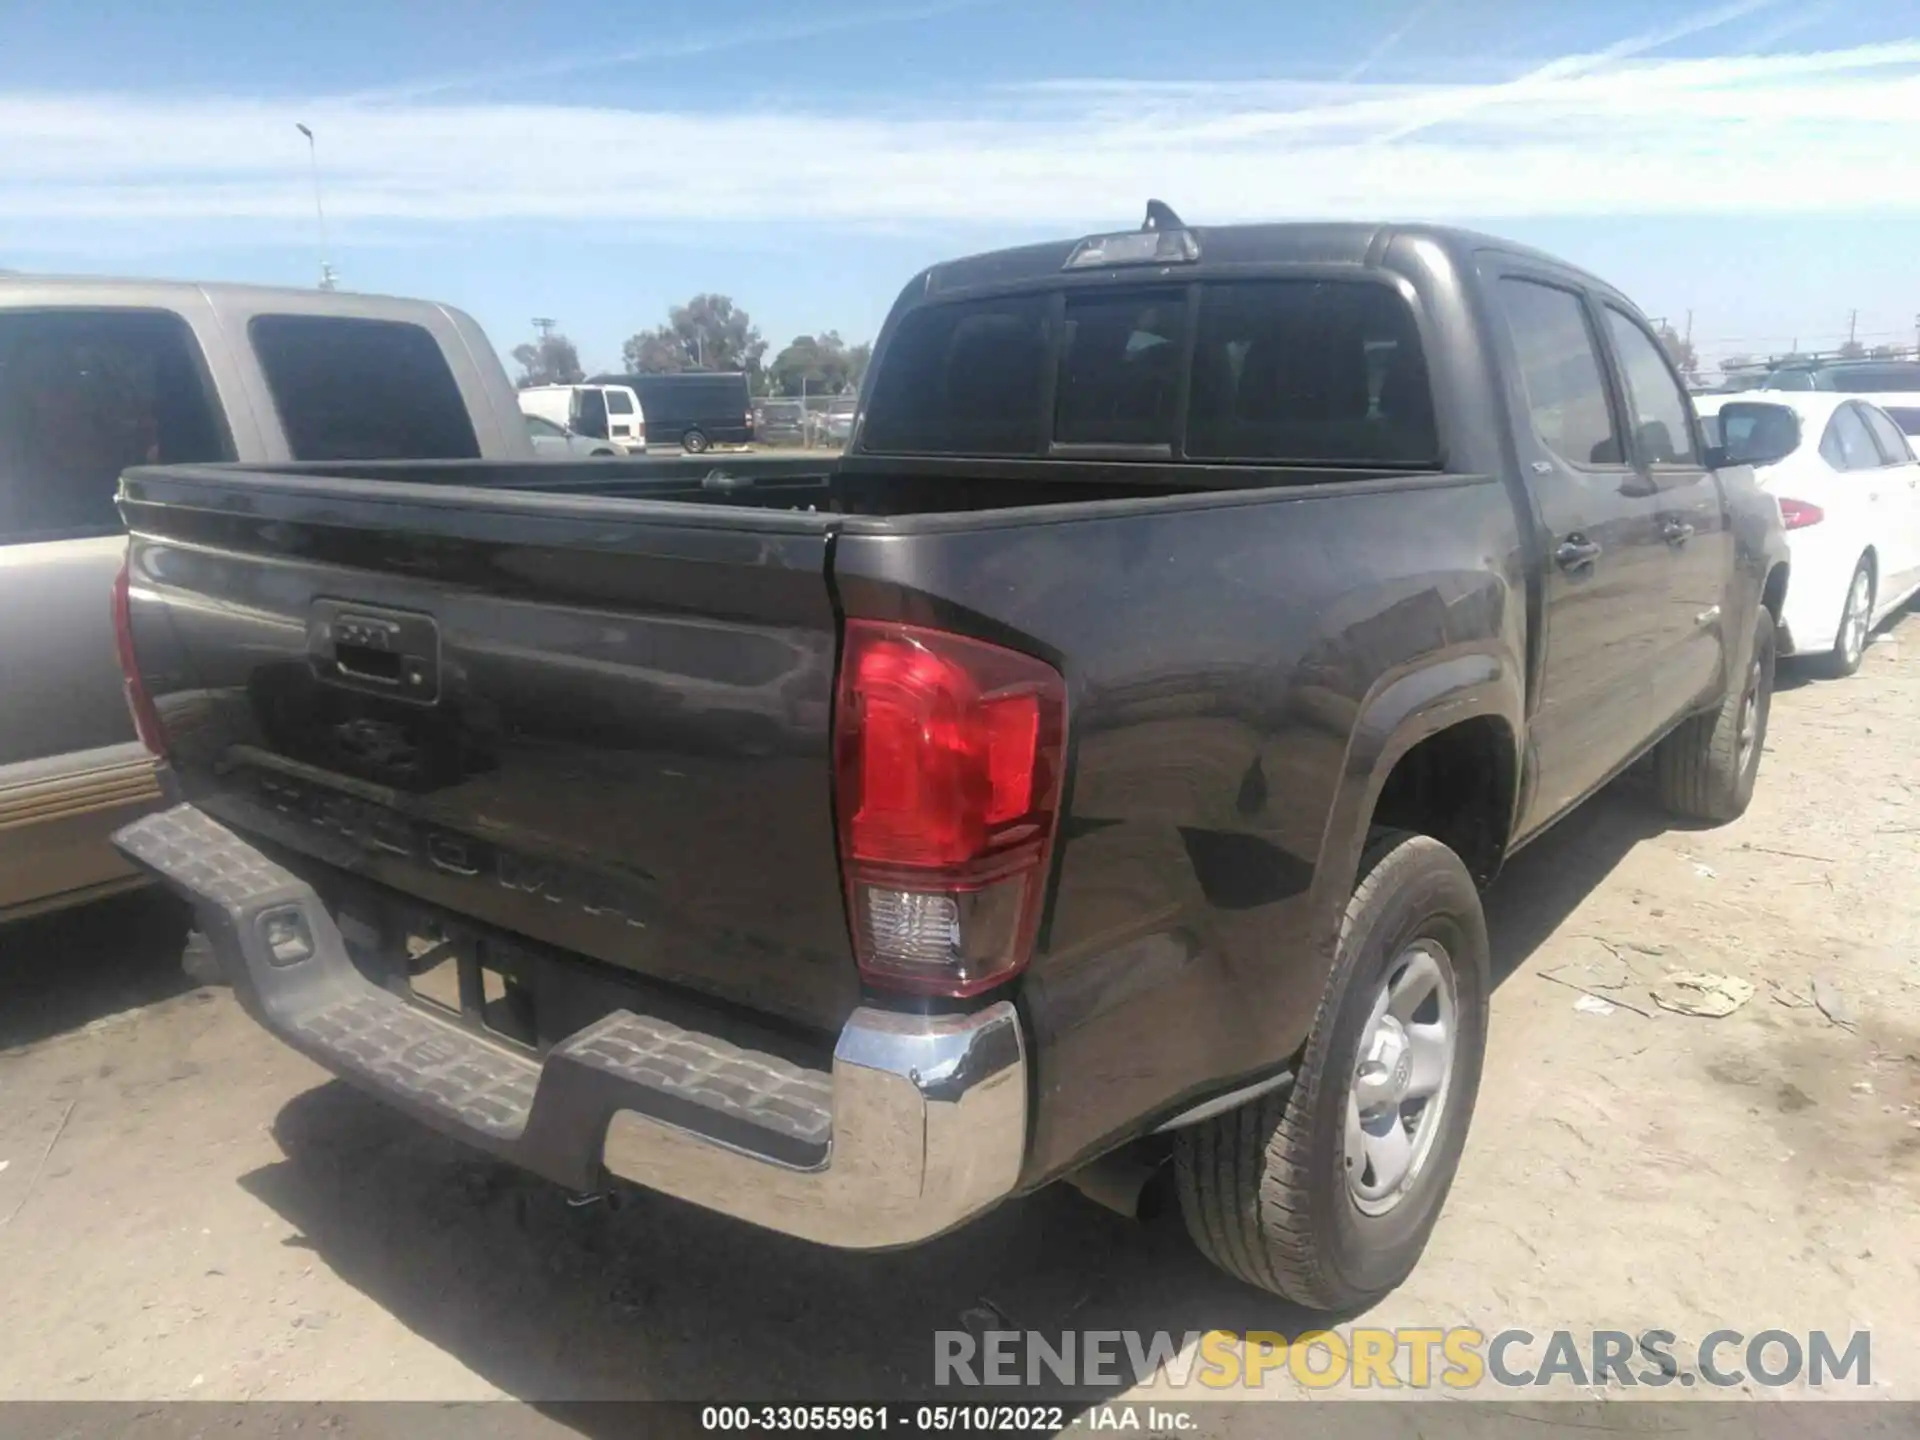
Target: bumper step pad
[{"x": 551, "y": 1116}]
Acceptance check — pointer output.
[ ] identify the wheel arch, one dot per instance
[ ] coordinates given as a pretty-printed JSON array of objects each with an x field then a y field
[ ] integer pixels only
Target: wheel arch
[{"x": 1437, "y": 750}]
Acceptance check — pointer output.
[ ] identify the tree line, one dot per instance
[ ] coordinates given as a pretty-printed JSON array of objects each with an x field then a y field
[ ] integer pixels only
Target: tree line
[{"x": 709, "y": 332}]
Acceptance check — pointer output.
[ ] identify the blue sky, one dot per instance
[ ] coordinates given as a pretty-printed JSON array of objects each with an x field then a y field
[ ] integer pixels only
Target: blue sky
[{"x": 1756, "y": 162}]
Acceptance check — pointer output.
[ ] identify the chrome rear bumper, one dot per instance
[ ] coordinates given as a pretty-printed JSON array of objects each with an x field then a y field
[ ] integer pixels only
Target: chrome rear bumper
[{"x": 919, "y": 1126}]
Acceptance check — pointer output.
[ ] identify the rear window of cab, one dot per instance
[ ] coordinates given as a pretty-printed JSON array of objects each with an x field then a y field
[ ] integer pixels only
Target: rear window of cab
[{"x": 1257, "y": 371}]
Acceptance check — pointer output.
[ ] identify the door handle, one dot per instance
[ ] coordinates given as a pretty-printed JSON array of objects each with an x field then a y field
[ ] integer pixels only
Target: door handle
[
  {"x": 1676, "y": 532},
  {"x": 1576, "y": 552}
]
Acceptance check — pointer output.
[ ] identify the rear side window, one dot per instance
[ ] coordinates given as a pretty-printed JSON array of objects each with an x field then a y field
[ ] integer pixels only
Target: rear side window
[
  {"x": 83, "y": 395},
  {"x": 1662, "y": 418},
  {"x": 1560, "y": 369},
  {"x": 1893, "y": 445},
  {"x": 351, "y": 389},
  {"x": 618, "y": 403},
  {"x": 963, "y": 379},
  {"x": 1907, "y": 417},
  {"x": 1847, "y": 445},
  {"x": 1120, "y": 360},
  {"x": 1298, "y": 371}
]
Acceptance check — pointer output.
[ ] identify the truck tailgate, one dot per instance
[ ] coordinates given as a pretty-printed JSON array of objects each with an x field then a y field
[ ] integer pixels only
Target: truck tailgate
[{"x": 598, "y": 723}]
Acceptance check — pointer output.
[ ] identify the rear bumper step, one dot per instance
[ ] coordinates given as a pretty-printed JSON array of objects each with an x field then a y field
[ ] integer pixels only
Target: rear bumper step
[{"x": 920, "y": 1125}]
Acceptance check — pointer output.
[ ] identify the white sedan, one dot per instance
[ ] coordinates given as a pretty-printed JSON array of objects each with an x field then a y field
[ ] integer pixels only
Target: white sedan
[
  {"x": 556, "y": 442},
  {"x": 1849, "y": 493}
]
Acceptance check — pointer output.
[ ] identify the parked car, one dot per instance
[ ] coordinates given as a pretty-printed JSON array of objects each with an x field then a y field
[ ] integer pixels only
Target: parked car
[
  {"x": 1848, "y": 377},
  {"x": 698, "y": 409},
  {"x": 1849, "y": 491},
  {"x": 1093, "y": 770},
  {"x": 611, "y": 414},
  {"x": 556, "y": 442},
  {"x": 840, "y": 419},
  {"x": 779, "y": 422},
  {"x": 96, "y": 375}
]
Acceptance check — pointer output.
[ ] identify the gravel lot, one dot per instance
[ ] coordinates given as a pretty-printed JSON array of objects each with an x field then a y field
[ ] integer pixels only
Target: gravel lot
[{"x": 188, "y": 1209}]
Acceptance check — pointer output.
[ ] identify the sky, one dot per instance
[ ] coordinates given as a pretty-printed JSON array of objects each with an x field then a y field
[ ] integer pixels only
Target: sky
[{"x": 1751, "y": 164}]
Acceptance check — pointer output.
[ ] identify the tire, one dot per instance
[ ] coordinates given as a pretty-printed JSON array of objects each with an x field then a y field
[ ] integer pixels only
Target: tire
[
  {"x": 601, "y": 454},
  {"x": 1265, "y": 1189},
  {"x": 1856, "y": 624},
  {"x": 1705, "y": 769},
  {"x": 694, "y": 442}
]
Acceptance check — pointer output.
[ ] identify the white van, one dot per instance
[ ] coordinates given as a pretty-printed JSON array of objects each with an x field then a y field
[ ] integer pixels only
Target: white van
[{"x": 599, "y": 412}]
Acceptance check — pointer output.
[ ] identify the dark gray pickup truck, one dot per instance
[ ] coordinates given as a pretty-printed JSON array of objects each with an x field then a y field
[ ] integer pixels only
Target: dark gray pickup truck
[{"x": 1101, "y": 759}]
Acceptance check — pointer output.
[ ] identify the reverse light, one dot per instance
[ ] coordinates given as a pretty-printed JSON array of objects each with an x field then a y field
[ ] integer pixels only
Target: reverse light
[
  {"x": 146, "y": 720},
  {"x": 948, "y": 757},
  {"x": 1798, "y": 514}
]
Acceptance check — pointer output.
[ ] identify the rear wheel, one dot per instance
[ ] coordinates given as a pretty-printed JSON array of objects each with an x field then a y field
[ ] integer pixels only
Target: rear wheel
[
  {"x": 1706, "y": 768},
  {"x": 1856, "y": 623},
  {"x": 694, "y": 441},
  {"x": 1325, "y": 1194}
]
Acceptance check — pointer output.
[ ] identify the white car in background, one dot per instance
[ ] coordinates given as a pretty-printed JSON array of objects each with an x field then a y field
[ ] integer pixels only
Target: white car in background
[
  {"x": 610, "y": 414},
  {"x": 1849, "y": 493},
  {"x": 555, "y": 442}
]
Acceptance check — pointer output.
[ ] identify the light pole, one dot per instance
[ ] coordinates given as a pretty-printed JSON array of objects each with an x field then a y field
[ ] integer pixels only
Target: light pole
[{"x": 313, "y": 159}]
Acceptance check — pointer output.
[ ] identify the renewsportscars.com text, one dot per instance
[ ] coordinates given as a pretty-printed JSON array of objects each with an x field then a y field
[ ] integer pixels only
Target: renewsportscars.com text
[{"x": 1459, "y": 1358}]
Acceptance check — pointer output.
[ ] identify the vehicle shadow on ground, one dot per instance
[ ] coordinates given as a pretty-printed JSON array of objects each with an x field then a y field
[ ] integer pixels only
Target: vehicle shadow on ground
[
  {"x": 59, "y": 972},
  {"x": 1545, "y": 883},
  {"x": 657, "y": 1299}
]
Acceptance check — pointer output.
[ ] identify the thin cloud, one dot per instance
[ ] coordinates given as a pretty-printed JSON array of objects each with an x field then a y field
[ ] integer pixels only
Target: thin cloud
[
  {"x": 1639, "y": 134},
  {"x": 1392, "y": 38},
  {"x": 1570, "y": 66},
  {"x": 712, "y": 42}
]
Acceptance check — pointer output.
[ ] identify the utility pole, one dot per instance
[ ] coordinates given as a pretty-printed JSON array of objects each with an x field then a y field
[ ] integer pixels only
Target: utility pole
[
  {"x": 327, "y": 279},
  {"x": 1853, "y": 327},
  {"x": 544, "y": 325}
]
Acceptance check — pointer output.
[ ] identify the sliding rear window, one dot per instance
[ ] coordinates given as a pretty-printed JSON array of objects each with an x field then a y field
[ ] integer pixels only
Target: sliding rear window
[
  {"x": 351, "y": 389},
  {"x": 1270, "y": 372}
]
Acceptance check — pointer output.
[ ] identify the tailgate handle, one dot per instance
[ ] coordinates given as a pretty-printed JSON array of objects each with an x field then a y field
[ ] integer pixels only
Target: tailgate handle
[
  {"x": 366, "y": 662},
  {"x": 389, "y": 652}
]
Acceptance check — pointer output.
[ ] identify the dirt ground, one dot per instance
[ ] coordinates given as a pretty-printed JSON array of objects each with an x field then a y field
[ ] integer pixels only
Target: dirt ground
[{"x": 188, "y": 1209}]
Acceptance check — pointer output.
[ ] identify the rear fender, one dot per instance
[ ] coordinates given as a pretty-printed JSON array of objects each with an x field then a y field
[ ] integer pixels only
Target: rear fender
[{"x": 1399, "y": 714}]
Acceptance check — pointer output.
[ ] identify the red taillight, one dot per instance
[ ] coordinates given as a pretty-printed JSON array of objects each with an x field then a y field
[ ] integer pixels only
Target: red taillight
[
  {"x": 948, "y": 757},
  {"x": 146, "y": 720},
  {"x": 1798, "y": 514}
]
